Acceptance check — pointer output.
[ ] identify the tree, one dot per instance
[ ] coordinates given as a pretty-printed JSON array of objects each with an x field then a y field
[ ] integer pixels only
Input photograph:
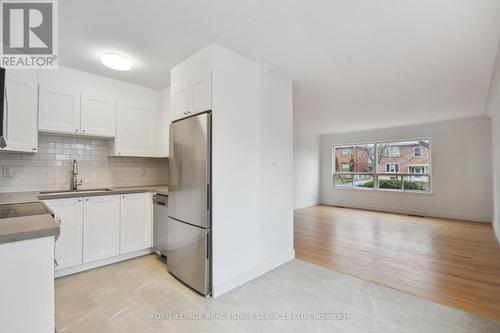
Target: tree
[{"x": 368, "y": 151}]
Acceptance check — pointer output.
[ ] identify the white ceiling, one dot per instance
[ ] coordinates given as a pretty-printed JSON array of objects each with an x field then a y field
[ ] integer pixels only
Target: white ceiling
[{"x": 355, "y": 64}]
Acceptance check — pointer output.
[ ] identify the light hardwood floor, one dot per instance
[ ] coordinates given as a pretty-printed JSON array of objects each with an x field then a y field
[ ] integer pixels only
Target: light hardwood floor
[{"x": 455, "y": 263}]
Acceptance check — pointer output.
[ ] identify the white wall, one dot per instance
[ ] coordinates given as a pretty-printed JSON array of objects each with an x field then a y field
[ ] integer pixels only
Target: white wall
[
  {"x": 235, "y": 168},
  {"x": 163, "y": 123},
  {"x": 276, "y": 171},
  {"x": 252, "y": 169},
  {"x": 493, "y": 110},
  {"x": 461, "y": 171},
  {"x": 306, "y": 160},
  {"x": 495, "y": 126},
  {"x": 165, "y": 100}
]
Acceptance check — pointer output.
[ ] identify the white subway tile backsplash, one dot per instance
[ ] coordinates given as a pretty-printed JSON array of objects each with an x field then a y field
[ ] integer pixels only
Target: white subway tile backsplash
[{"x": 50, "y": 169}]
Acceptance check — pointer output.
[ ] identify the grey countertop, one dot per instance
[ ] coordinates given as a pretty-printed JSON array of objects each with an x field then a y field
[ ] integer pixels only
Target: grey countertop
[
  {"x": 38, "y": 226},
  {"x": 159, "y": 189},
  {"x": 27, "y": 227}
]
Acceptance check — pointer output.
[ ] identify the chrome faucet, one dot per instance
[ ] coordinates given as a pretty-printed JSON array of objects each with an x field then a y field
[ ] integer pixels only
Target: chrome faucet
[{"x": 75, "y": 182}]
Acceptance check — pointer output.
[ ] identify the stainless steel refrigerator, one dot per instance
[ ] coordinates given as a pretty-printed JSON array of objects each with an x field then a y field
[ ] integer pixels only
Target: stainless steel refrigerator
[{"x": 189, "y": 204}]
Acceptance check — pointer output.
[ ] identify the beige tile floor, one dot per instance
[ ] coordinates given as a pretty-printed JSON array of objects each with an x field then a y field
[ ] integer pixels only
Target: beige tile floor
[{"x": 124, "y": 297}]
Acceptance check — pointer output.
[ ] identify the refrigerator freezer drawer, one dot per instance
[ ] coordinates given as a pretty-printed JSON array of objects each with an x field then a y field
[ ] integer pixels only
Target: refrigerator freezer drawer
[{"x": 188, "y": 255}]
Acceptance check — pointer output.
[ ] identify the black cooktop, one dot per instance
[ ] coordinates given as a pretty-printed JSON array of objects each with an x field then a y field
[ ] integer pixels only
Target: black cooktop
[{"x": 23, "y": 209}]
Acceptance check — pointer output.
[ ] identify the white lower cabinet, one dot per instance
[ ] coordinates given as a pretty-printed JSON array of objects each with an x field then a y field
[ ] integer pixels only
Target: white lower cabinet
[
  {"x": 69, "y": 246},
  {"x": 101, "y": 231},
  {"x": 101, "y": 227},
  {"x": 136, "y": 222},
  {"x": 27, "y": 280}
]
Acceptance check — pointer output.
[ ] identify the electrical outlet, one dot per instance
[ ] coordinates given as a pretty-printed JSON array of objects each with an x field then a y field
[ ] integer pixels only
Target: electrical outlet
[{"x": 8, "y": 171}]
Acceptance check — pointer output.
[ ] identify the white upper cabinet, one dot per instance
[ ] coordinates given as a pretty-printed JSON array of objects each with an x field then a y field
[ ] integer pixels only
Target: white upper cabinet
[
  {"x": 136, "y": 222},
  {"x": 59, "y": 109},
  {"x": 69, "y": 245},
  {"x": 192, "y": 85},
  {"x": 98, "y": 115},
  {"x": 101, "y": 232},
  {"x": 136, "y": 131},
  {"x": 200, "y": 92},
  {"x": 180, "y": 100},
  {"x": 21, "y": 110},
  {"x": 80, "y": 103},
  {"x": 64, "y": 110}
]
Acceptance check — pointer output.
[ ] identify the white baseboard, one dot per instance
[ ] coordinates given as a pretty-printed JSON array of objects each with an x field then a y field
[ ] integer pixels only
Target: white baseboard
[
  {"x": 266, "y": 267},
  {"x": 251, "y": 274},
  {"x": 427, "y": 213},
  {"x": 99, "y": 263},
  {"x": 306, "y": 204}
]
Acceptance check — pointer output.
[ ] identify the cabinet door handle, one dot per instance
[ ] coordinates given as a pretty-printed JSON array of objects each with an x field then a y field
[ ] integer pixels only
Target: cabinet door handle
[
  {"x": 34, "y": 149},
  {"x": 83, "y": 131},
  {"x": 6, "y": 113},
  {"x": 76, "y": 130}
]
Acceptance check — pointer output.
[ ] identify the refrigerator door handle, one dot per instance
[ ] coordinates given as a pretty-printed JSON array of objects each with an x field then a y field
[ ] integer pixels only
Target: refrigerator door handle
[
  {"x": 208, "y": 245},
  {"x": 208, "y": 197}
]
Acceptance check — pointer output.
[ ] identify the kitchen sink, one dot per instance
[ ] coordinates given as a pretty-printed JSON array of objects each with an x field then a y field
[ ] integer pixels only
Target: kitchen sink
[{"x": 99, "y": 190}]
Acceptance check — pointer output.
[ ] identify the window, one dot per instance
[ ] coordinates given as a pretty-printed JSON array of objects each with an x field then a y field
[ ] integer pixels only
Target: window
[
  {"x": 391, "y": 167},
  {"x": 361, "y": 158},
  {"x": 391, "y": 151},
  {"x": 383, "y": 166},
  {"x": 417, "y": 152},
  {"x": 417, "y": 169}
]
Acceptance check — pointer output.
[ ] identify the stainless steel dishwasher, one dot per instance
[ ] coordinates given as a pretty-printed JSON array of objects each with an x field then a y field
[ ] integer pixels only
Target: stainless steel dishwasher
[{"x": 160, "y": 203}]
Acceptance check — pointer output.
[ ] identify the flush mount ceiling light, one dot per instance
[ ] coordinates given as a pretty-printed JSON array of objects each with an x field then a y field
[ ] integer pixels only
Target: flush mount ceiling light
[{"x": 116, "y": 61}]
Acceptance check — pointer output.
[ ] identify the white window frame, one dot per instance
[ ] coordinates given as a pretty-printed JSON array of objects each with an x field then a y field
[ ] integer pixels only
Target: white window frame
[
  {"x": 425, "y": 166},
  {"x": 392, "y": 154},
  {"x": 392, "y": 166},
  {"x": 421, "y": 152},
  {"x": 375, "y": 173}
]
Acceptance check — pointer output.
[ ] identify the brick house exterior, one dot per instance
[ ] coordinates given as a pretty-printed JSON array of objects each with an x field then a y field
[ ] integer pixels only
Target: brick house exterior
[
  {"x": 355, "y": 157},
  {"x": 410, "y": 157},
  {"x": 404, "y": 158}
]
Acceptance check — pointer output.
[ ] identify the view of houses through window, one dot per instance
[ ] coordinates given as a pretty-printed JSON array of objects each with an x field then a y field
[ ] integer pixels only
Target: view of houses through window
[{"x": 402, "y": 165}]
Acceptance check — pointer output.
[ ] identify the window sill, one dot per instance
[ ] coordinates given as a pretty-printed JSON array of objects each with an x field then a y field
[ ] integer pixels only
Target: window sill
[{"x": 382, "y": 190}]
